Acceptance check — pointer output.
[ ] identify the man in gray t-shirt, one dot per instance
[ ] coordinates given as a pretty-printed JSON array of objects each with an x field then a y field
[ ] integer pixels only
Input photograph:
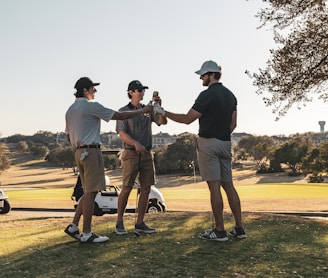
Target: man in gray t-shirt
[{"x": 137, "y": 159}]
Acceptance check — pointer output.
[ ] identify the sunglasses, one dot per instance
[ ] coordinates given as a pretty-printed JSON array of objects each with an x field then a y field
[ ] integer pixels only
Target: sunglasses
[{"x": 140, "y": 90}]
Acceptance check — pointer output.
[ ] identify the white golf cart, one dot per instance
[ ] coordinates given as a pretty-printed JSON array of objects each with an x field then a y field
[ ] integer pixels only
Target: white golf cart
[
  {"x": 106, "y": 201},
  {"x": 5, "y": 206}
]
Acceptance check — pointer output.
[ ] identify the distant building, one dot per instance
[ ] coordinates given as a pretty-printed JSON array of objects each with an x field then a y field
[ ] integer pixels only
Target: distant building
[
  {"x": 111, "y": 139},
  {"x": 322, "y": 126},
  {"x": 160, "y": 139}
]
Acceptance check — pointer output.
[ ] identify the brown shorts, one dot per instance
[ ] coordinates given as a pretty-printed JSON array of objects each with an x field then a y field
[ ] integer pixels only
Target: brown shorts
[
  {"x": 91, "y": 170},
  {"x": 134, "y": 163},
  {"x": 214, "y": 159}
]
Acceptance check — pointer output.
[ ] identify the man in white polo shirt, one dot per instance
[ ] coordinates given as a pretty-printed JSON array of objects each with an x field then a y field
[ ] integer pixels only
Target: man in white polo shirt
[{"x": 83, "y": 131}]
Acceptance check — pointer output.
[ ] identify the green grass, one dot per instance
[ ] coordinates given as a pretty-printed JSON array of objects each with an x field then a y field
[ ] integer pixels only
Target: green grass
[
  {"x": 277, "y": 246},
  {"x": 257, "y": 191},
  {"x": 40, "y": 194},
  {"x": 284, "y": 190}
]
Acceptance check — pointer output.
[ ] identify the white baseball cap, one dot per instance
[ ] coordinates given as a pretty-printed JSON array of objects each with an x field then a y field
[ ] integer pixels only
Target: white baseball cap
[{"x": 208, "y": 66}]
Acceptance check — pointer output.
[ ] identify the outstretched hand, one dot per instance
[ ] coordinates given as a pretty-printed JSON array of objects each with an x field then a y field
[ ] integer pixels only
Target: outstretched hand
[
  {"x": 159, "y": 110},
  {"x": 147, "y": 108}
]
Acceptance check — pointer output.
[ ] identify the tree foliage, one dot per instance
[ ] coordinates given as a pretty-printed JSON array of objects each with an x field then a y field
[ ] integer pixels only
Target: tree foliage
[
  {"x": 22, "y": 146},
  {"x": 39, "y": 151},
  {"x": 316, "y": 160},
  {"x": 298, "y": 68},
  {"x": 258, "y": 148},
  {"x": 4, "y": 160},
  {"x": 292, "y": 152},
  {"x": 111, "y": 162},
  {"x": 176, "y": 158},
  {"x": 62, "y": 156}
]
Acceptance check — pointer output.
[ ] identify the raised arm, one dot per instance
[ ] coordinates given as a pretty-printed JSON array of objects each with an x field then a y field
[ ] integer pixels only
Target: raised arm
[
  {"x": 124, "y": 115},
  {"x": 188, "y": 118}
]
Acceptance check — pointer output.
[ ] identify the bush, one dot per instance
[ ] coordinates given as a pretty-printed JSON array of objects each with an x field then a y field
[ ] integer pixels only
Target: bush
[{"x": 315, "y": 179}]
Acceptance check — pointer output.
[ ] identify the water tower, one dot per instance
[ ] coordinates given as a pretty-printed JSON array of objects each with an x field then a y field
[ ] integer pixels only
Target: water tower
[{"x": 322, "y": 126}]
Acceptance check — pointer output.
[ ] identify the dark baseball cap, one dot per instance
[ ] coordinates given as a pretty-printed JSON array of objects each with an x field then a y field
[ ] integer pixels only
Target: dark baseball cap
[
  {"x": 84, "y": 83},
  {"x": 136, "y": 85}
]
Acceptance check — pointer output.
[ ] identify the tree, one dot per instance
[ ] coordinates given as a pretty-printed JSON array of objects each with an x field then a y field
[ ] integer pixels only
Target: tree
[
  {"x": 299, "y": 68},
  {"x": 111, "y": 162},
  {"x": 176, "y": 158},
  {"x": 62, "y": 156},
  {"x": 311, "y": 162},
  {"x": 258, "y": 148},
  {"x": 43, "y": 137},
  {"x": 4, "y": 160},
  {"x": 39, "y": 151},
  {"x": 22, "y": 146},
  {"x": 291, "y": 153},
  {"x": 316, "y": 160},
  {"x": 324, "y": 156}
]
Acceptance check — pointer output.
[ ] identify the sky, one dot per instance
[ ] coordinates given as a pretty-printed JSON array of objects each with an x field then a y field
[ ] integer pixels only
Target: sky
[{"x": 46, "y": 46}]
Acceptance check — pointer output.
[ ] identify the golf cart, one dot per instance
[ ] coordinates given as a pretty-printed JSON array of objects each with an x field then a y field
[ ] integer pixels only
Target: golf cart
[
  {"x": 4, "y": 203},
  {"x": 106, "y": 200}
]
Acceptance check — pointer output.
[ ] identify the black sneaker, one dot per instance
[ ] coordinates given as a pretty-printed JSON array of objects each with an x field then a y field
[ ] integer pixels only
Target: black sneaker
[
  {"x": 143, "y": 228},
  {"x": 238, "y": 233},
  {"x": 73, "y": 232},
  {"x": 215, "y": 235},
  {"x": 208, "y": 231},
  {"x": 120, "y": 230}
]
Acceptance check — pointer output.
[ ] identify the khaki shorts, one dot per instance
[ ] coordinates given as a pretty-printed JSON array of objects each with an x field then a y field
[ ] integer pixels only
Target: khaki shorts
[
  {"x": 133, "y": 164},
  {"x": 91, "y": 170},
  {"x": 214, "y": 159}
]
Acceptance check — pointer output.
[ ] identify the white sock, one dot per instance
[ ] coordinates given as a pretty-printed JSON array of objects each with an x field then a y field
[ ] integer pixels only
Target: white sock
[
  {"x": 73, "y": 227},
  {"x": 87, "y": 235}
]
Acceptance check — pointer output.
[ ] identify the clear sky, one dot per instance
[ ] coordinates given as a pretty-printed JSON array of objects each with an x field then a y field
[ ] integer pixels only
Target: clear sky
[{"x": 47, "y": 45}]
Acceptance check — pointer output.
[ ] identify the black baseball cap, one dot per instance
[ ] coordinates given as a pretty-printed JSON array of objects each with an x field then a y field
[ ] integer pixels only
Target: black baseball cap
[
  {"x": 84, "y": 83},
  {"x": 136, "y": 85}
]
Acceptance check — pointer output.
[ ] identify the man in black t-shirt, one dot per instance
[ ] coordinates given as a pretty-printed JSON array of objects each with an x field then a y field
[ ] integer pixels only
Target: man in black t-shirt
[{"x": 216, "y": 110}]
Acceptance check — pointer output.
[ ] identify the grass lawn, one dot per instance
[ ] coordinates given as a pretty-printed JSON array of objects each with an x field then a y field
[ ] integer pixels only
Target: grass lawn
[
  {"x": 276, "y": 246},
  {"x": 255, "y": 197}
]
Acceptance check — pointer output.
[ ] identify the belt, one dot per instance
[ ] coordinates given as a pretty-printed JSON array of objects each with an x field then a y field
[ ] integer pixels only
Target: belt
[{"x": 89, "y": 147}]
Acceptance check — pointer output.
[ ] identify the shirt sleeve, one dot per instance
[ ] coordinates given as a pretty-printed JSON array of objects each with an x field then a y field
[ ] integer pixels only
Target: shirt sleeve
[
  {"x": 202, "y": 102},
  {"x": 102, "y": 112}
]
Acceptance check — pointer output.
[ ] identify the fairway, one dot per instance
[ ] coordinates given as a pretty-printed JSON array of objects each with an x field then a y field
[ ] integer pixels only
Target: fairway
[
  {"x": 196, "y": 197},
  {"x": 36, "y": 184}
]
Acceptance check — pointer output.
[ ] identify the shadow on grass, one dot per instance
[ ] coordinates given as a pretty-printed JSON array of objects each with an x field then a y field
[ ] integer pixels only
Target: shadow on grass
[
  {"x": 45, "y": 181},
  {"x": 277, "y": 246}
]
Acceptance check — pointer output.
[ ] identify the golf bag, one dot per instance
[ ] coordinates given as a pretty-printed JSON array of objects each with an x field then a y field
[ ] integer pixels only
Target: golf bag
[{"x": 78, "y": 190}]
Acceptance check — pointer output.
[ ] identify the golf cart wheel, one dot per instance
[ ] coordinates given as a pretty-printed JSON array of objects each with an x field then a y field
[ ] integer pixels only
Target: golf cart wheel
[
  {"x": 6, "y": 207},
  {"x": 97, "y": 211},
  {"x": 154, "y": 208}
]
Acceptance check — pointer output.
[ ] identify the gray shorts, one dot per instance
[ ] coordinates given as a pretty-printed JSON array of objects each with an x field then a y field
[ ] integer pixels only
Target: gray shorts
[
  {"x": 214, "y": 159},
  {"x": 91, "y": 170}
]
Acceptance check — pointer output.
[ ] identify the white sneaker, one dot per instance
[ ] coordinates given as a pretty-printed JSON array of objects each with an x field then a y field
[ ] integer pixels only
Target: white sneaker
[
  {"x": 73, "y": 231},
  {"x": 93, "y": 238}
]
